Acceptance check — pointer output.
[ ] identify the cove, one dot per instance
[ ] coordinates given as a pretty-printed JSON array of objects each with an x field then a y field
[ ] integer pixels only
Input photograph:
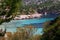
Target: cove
[{"x": 36, "y": 22}]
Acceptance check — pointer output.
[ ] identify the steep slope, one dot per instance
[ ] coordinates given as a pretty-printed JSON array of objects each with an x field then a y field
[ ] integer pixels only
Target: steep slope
[{"x": 52, "y": 30}]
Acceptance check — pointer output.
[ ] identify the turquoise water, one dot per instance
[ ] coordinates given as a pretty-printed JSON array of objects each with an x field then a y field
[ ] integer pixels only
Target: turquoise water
[
  {"x": 21, "y": 23},
  {"x": 13, "y": 24},
  {"x": 37, "y": 22}
]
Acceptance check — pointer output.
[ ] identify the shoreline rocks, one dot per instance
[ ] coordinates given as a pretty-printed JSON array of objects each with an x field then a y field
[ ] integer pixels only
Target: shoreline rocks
[{"x": 20, "y": 17}]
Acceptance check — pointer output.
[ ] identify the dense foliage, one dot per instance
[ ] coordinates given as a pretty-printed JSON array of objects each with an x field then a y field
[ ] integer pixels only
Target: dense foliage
[
  {"x": 8, "y": 9},
  {"x": 11, "y": 6},
  {"x": 52, "y": 30}
]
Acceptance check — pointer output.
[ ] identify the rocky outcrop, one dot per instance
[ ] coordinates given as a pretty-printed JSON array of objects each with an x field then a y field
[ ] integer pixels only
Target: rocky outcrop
[{"x": 27, "y": 16}]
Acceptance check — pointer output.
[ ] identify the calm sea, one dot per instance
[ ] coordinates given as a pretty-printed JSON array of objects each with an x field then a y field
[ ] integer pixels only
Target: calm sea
[{"x": 36, "y": 22}]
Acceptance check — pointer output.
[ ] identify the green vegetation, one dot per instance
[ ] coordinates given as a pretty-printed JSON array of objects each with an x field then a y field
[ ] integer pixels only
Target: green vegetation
[
  {"x": 11, "y": 8},
  {"x": 23, "y": 33},
  {"x": 52, "y": 30}
]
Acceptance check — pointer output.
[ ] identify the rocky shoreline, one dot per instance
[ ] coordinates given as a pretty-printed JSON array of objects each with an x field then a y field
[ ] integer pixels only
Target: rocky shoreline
[{"x": 20, "y": 17}]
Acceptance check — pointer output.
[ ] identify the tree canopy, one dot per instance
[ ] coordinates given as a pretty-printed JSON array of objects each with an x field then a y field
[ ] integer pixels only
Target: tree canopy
[{"x": 52, "y": 30}]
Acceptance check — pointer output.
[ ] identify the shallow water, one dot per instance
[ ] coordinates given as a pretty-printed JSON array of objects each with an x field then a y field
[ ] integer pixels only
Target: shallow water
[
  {"x": 13, "y": 24},
  {"x": 36, "y": 22}
]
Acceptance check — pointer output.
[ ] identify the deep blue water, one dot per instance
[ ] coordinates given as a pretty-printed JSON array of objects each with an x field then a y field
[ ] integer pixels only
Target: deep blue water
[{"x": 36, "y": 22}]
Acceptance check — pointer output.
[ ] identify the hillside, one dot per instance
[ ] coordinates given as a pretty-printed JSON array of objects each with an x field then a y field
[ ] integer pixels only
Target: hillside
[
  {"x": 52, "y": 30},
  {"x": 11, "y": 8}
]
